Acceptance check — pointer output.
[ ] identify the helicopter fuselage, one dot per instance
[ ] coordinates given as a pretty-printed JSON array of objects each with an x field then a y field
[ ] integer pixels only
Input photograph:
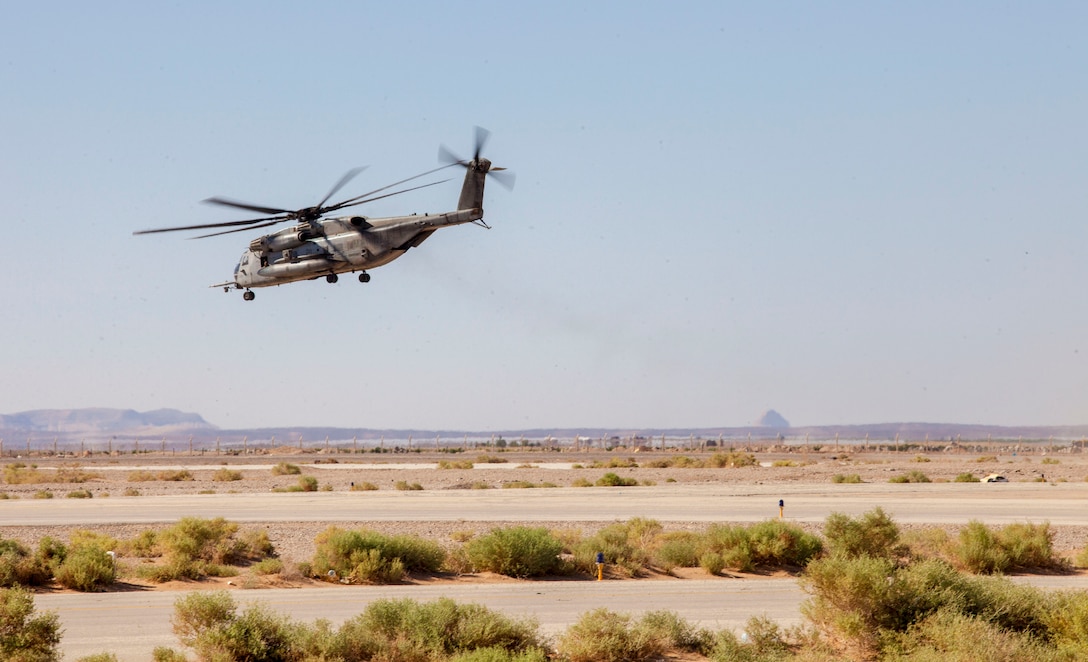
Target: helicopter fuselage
[{"x": 334, "y": 246}]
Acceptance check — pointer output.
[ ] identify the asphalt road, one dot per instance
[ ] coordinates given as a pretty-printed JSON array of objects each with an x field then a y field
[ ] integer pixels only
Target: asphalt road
[{"x": 131, "y": 625}]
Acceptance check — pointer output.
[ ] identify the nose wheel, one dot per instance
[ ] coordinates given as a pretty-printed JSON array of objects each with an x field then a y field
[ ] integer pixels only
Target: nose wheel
[{"x": 364, "y": 277}]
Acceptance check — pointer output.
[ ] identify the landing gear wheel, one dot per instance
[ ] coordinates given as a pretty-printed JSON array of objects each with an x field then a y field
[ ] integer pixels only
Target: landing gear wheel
[
  {"x": 332, "y": 278},
  {"x": 249, "y": 295},
  {"x": 364, "y": 278}
]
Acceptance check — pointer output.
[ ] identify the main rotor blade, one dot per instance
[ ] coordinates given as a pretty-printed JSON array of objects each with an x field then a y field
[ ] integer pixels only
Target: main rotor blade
[
  {"x": 352, "y": 201},
  {"x": 344, "y": 204},
  {"x": 253, "y": 227},
  {"x": 340, "y": 184},
  {"x": 204, "y": 226},
  {"x": 245, "y": 205}
]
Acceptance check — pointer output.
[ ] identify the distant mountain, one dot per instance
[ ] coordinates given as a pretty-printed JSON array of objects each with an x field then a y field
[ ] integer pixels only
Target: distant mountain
[
  {"x": 98, "y": 421},
  {"x": 73, "y": 426}
]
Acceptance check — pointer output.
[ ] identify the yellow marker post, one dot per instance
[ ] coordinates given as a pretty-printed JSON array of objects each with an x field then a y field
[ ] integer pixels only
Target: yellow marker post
[
  {"x": 600, "y": 566},
  {"x": 781, "y": 508}
]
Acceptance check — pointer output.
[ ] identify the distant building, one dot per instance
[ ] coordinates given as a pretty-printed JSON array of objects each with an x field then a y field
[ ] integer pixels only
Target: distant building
[{"x": 772, "y": 419}]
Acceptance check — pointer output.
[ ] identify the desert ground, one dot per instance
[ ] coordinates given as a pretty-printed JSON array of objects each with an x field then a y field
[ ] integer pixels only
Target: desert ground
[{"x": 529, "y": 471}]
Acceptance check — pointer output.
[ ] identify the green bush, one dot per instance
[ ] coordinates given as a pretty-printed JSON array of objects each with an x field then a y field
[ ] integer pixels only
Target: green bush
[
  {"x": 363, "y": 487},
  {"x": 209, "y": 623},
  {"x": 307, "y": 483},
  {"x": 967, "y": 477},
  {"x": 98, "y": 657},
  {"x": 679, "y": 549},
  {"x": 516, "y": 552},
  {"x": 79, "y": 494},
  {"x": 732, "y": 459},
  {"x": 368, "y": 556},
  {"x": 405, "y": 486},
  {"x": 872, "y": 534},
  {"x": 24, "y": 636}
]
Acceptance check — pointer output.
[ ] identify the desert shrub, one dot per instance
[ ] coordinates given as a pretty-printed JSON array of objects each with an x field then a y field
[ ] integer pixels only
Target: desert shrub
[
  {"x": 140, "y": 476},
  {"x": 914, "y": 476},
  {"x": 195, "y": 547},
  {"x": 872, "y": 534},
  {"x": 1050, "y": 460},
  {"x": 363, "y": 487},
  {"x": 491, "y": 459},
  {"x": 368, "y": 556},
  {"x": 79, "y": 494},
  {"x": 865, "y": 603},
  {"x": 581, "y": 482},
  {"x": 270, "y": 566},
  {"x": 175, "y": 475},
  {"x": 966, "y": 477},
  {"x": 778, "y": 543},
  {"x": 783, "y": 463},
  {"x": 18, "y": 473},
  {"x": 986, "y": 458},
  {"x": 131, "y": 492},
  {"x": 602, "y": 635},
  {"x": 18, "y": 567},
  {"x": 612, "y": 480},
  {"x": 763, "y": 642},
  {"x": 1015, "y": 546},
  {"x": 731, "y": 459},
  {"x": 516, "y": 552},
  {"x": 679, "y": 549},
  {"x": 43, "y": 494},
  {"x": 209, "y": 623},
  {"x": 462, "y": 464},
  {"x": 626, "y": 547},
  {"x": 846, "y": 478},
  {"x": 226, "y": 475},
  {"x": 24, "y": 636},
  {"x": 307, "y": 483},
  {"x": 405, "y": 486},
  {"x": 73, "y": 473},
  {"x": 85, "y": 568},
  {"x": 98, "y": 657},
  {"x": 500, "y": 654},
  {"x": 920, "y": 458},
  {"x": 286, "y": 469},
  {"x": 165, "y": 654},
  {"x": 408, "y": 630},
  {"x": 950, "y": 635}
]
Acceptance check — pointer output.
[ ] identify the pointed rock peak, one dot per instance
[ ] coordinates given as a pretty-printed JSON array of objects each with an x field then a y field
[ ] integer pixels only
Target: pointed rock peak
[{"x": 772, "y": 419}]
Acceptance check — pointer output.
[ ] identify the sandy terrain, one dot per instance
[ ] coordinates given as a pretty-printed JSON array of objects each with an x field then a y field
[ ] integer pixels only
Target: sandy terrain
[{"x": 129, "y": 476}]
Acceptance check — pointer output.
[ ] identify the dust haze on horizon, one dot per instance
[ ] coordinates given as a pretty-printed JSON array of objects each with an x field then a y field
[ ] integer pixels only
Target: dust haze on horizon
[{"x": 849, "y": 213}]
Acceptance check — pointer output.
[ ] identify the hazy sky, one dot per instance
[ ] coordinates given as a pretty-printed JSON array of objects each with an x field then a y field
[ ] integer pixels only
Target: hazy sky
[{"x": 848, "y": 212}]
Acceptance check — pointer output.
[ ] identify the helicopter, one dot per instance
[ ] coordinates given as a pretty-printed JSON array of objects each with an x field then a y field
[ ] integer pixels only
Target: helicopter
[{"x": 316, "y": 247}]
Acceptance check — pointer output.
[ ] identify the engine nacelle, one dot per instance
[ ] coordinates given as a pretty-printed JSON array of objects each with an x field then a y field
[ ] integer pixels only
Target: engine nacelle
[{"x": 279, "y": 242}]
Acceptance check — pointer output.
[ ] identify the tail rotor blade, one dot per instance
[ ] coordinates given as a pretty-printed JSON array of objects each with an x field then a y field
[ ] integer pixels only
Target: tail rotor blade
[{"x": 482, "y": 135}]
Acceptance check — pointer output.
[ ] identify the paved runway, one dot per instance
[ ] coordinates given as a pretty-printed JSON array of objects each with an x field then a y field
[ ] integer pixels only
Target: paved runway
[{"x": 932, "y": 503}]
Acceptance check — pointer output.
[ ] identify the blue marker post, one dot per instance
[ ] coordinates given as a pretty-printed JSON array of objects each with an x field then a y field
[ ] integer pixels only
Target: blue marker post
[
  {"x": 781, "y": 508},
  {"x": 600, "y": 566}
]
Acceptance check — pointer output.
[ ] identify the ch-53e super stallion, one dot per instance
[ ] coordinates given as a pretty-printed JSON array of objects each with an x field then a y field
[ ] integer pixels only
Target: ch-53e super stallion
[{"x": 318, "y": 247}]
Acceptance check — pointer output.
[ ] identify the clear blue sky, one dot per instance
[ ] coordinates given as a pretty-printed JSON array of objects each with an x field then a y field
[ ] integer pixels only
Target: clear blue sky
[{"x": 849, "y": 212}]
